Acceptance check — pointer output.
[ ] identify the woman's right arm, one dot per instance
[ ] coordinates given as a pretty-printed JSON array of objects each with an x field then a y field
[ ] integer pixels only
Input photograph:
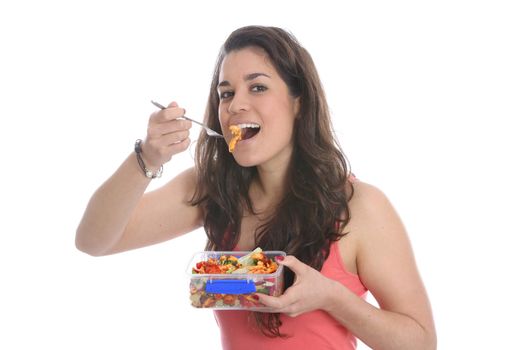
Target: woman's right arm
[{"x": 120, "y": 216}]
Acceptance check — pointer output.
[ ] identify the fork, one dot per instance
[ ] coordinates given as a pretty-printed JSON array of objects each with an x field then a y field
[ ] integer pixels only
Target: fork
[{"x": 209, "y": 131}]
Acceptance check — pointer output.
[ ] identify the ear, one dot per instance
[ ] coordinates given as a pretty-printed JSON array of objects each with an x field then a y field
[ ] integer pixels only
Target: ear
[{"x": 296, "y": 106}]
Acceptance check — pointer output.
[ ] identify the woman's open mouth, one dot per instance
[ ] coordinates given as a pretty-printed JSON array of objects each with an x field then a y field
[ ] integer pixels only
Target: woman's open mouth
[
  {"x": 242, "y": 132},
  {"x": 249, "y": 130}
]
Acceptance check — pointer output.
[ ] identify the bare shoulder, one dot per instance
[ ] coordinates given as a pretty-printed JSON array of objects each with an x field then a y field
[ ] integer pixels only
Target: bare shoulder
[
  {"x": 365, "y": 208},
  {"x": 371, "y": 211},
  {"x": 367, "y": 196},
  {"x": 384, "y": 257},
  {"x": 374, "y": 223}
]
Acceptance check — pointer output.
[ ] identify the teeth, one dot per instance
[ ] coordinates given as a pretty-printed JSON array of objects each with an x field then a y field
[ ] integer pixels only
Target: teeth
[{"x": 249, "y": 125}]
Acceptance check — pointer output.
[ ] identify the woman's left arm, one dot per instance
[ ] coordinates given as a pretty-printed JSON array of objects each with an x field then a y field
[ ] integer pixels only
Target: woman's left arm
[{"x": 386, "y": 266}]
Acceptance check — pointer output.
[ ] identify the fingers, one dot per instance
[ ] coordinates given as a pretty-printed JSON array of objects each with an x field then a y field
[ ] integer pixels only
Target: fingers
[
  {"x": 168, "y": 114},
  {"x": 303, "y": 295},
  {"x": 167, "y": 139},
  {"x": 294, "y": 264},
  {"x": 277, "y": 303},
  {"x": 175, "y": 137},
  {"x": 159, "y": 151},
  {"x": 167, "y": 135},
  {"x": 179, "y": 146},
  {"x": 285, "y": 304},
  {"x": 156, "y": 130},
  {"x": 286, "y": 301}
]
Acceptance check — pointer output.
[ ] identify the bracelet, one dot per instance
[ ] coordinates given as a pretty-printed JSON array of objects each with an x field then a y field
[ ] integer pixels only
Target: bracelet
[{"x": 148, "y": 173}]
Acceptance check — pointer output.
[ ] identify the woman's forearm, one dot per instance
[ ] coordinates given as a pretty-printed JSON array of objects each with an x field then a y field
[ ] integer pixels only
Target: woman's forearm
[
  {"x": 110, "y": 208},
  {"x": 379, "y": 329}
]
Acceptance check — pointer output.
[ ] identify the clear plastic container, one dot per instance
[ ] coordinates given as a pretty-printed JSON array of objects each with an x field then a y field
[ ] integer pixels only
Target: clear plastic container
[{"x": 233, "y": 291}]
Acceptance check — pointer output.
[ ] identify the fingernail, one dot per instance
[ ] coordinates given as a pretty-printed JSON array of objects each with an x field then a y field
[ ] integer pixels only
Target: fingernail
[
  {"x": 279, "y": 258},
  {"x": 255, "y": 296}
]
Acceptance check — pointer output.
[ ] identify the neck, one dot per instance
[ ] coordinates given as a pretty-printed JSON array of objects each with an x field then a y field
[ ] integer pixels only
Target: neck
[{"x": 269, "y": 187}]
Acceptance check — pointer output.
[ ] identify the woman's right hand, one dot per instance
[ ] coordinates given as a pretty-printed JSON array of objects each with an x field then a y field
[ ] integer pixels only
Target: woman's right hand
[{"x": 167, "y": 135}]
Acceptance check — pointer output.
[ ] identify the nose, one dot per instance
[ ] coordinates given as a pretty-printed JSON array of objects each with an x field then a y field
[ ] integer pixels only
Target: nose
[{"x": 238, "y": 103}]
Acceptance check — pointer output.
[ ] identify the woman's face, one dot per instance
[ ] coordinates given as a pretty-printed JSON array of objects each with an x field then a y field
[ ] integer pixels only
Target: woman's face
[{"x": 254, "y": 97}]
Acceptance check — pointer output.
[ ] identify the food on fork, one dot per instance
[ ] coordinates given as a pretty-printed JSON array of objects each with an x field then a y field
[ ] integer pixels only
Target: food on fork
[
  {"x": 236, "y": 137},
  {"x": 242, "y": 132}
]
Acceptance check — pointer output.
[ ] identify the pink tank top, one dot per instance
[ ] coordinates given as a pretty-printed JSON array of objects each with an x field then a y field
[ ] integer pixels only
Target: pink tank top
[{"x": 312, "y": 330}]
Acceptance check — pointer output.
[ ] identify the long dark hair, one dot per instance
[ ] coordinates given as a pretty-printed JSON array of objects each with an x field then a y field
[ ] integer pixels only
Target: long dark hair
[{"x": 314, "y": 210}]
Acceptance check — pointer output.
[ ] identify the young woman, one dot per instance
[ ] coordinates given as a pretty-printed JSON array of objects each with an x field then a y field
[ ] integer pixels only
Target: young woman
[{"x": 286, "y": 186}]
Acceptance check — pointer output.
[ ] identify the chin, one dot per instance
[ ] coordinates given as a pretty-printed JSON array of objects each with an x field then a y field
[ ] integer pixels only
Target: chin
[
  {"x": 246, "y": 159},
  {"x": 246, "y": 162}
]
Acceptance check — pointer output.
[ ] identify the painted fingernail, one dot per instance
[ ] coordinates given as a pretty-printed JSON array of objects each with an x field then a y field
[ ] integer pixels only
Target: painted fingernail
[
  {"x": 255, "y": 296},
  {"x": 279, "y": 258}
]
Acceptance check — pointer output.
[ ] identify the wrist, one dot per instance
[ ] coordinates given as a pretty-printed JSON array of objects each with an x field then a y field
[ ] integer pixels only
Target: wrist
[
  {"x": 334, "y": 297},
  {"x": 150, "y": 173}
]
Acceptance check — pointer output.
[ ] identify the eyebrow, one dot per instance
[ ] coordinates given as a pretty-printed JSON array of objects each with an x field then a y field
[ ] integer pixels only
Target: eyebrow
[{"x": 247, "y": 77}]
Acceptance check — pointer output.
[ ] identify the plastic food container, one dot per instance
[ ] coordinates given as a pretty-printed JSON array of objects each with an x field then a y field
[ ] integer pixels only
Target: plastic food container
[{"x": 233, "y": 291}]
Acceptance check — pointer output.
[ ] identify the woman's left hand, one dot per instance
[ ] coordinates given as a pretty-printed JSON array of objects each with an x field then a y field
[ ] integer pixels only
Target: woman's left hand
[{"x": 310, "y": 291}]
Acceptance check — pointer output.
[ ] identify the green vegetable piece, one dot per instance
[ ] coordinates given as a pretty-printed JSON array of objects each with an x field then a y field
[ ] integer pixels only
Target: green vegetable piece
[{"x": 247, "y": 260}]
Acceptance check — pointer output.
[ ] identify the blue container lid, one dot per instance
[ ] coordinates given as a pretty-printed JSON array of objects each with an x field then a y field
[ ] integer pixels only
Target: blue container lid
[{"x": 223, "y": 286}]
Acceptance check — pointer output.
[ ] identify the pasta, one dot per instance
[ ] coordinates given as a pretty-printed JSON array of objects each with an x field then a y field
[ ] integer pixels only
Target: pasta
[{"x": 236, "y": 137}]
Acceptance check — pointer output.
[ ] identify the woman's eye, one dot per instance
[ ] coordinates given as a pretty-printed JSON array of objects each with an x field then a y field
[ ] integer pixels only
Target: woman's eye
[
  {"x": 259, "y": 88},
  {"x": 225, "y": 94}
]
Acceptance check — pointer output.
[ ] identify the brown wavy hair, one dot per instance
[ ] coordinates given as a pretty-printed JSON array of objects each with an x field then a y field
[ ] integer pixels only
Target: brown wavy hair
[{"x": 313, "y": 211}]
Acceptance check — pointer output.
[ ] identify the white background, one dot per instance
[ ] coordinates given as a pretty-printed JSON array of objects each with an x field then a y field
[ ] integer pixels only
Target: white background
[{"x": 426, "y": 100}]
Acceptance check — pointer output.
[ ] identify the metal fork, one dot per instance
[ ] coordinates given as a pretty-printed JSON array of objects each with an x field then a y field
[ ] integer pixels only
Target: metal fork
[{"x": 209, "y": 131}]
